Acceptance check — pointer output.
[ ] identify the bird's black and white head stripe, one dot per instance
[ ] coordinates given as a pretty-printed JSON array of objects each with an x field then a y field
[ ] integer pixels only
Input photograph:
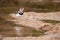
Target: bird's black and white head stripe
[{"x": 21, "y": 11}]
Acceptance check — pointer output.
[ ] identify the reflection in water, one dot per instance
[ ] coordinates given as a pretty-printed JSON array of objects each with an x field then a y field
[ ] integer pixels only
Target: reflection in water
[{"x": 19, "y": 31}]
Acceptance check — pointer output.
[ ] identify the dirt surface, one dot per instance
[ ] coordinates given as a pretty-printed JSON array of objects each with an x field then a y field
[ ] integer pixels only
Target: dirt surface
[
  {"x": 45, "y": 37},
  {"x": 32, "y": 19}
]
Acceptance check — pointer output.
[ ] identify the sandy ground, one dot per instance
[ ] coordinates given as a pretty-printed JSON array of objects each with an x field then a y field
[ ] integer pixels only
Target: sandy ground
[
  {"x": 45, "y": 37},
  {"x": 31, "y": 19},
  {"x": 35, "y": 16}
]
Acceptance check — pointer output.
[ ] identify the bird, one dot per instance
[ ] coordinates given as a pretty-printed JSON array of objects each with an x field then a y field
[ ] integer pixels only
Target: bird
[{"x": 20, "y": 12}]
